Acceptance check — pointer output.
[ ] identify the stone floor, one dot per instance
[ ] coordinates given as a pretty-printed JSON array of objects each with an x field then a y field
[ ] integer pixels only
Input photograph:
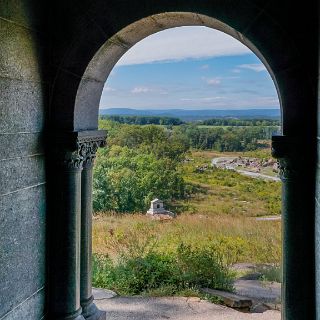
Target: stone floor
[{"x": 178, "y": 308}]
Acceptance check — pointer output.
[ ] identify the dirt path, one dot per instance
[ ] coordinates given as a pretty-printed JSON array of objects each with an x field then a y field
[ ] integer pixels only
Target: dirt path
[{"x": 177, "y": 308}]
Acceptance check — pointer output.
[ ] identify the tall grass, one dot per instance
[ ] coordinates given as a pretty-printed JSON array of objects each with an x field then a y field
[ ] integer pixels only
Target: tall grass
[
  {"x": 238, "y": 239},
  {"x": 216, "y": 228}
]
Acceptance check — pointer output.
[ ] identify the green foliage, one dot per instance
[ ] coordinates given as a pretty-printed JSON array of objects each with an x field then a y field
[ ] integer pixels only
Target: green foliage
[
  {"x": 143, "y": 120},
  {"x": 141, "y": 163},
  {"x": 226, "y": 139},
  {"x": 241, "y": 122},
  {"x": 184, "y": 269},
  {"x": 126, "y": 180}
]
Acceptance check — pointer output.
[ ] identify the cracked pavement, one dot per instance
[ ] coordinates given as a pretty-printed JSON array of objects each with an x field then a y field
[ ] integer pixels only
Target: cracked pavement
[{"x": 178, "y": 308}]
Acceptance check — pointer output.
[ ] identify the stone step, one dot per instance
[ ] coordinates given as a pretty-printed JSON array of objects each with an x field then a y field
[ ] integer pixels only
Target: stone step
[{"x": 229, "y": 299}]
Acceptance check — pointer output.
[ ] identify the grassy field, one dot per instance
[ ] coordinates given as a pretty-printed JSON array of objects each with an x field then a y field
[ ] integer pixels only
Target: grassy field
[
  {"x": 219, "y": 213},
  {"x": 216, "y": 227}
]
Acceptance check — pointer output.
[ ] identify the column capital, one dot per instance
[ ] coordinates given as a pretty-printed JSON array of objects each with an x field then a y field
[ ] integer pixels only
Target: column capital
[{"x": 74, "y": 150}]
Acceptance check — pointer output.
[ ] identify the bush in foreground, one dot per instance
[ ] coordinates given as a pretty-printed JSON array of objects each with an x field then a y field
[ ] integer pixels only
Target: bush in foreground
[{"x": 185, "y": 269}]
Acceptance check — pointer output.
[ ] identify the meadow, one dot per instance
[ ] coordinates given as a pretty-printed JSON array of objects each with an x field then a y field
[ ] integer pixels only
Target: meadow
[{"x": 216, "y": 227}]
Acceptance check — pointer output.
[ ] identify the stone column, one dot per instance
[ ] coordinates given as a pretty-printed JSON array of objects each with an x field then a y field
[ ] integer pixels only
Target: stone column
[
  {"x": 296, "y": 166},
  {"x": 89, "y": 309},
  {"x": 64, "y": 222},
  {"x": 71, "y": 152}
]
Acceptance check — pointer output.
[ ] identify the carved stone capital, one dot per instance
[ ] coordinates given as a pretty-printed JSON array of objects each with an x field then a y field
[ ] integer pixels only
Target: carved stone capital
[
  {"x": 74, "y": 150},
  {"x": 290, "y": 153}
]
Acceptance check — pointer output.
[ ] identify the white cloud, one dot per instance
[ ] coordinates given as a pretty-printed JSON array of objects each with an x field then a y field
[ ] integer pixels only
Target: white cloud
[
  {"x": 140, "y": 90},
  {"x": 212, "y": 98},
  {"x": 213, "y": 81},
  {"x": 108, "y": 89},
  {"x": 205, "y": 67},
  {"x": 257, "y": 67},
  {"x": 204, "y": 99},
  {"x": 236, "y": 70},
  {"x": 183, "y": 43}
]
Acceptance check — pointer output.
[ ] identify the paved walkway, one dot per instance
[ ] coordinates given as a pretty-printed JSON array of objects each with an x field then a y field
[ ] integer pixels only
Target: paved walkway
[{"x": 177, "y": 308}]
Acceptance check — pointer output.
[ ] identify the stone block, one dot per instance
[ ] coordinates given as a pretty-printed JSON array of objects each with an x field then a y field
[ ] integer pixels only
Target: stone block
[
  {"x": 22, "y": 247},
  {"x": 19, "y": 53},
  {"x": 19, "y": 173},
  {"x": 229, "y": 299},
  {"x": 21, "y": 106},
  {"x": 20, "y": 145},
  {"x": 87, "y": 103},
  {"x": 30, "y": 309}
]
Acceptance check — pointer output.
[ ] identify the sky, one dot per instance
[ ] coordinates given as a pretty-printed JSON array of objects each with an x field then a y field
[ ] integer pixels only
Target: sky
[{"x": 189, "y": 68}]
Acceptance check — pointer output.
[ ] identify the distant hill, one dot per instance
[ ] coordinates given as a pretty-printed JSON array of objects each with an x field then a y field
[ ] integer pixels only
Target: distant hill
[{"x": 194, "y": 115}]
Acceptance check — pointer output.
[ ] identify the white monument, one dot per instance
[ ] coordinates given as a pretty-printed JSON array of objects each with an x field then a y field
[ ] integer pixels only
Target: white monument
[{"x": 157, "y": 210}]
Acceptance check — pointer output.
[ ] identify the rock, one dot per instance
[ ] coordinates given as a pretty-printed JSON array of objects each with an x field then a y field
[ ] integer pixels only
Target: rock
[
  {"x": 263, "y": 291},
  {"x": 229, "y": 299},
  {"x": 273, "y": 306},
  {"x": 100, "y": 294}
]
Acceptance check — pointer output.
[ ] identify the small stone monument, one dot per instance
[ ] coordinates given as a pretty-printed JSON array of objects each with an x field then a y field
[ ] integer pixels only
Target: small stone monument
[{"x": 157, "y": 211}]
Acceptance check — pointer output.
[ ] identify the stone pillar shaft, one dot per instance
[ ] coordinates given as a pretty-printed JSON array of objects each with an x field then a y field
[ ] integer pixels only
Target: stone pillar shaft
[
  {"x": 89, "y": 309},
  {"x": 86, "y": 234},
  {"x": 295, "y": 164}
]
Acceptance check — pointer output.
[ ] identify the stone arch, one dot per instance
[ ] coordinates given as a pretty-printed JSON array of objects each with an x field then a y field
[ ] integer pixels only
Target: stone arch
[
  {"x": 95, "y": 38},
  {"x": 99, "y": 68},
  {"x": 102, "y": 40}
]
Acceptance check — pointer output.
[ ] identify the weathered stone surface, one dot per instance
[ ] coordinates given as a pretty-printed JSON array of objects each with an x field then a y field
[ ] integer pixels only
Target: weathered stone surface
[
  {"x": 21, "y": 106},
  {"x": 229, "y": 299},
  {"x": 23, "y": 12},
  {"x": 85, "y": 120},
  {"x": 19, "y": 173},
  {"x": 177, "y": 308},
  {"x": 22, "y": 246},
  {"x": 20, "y": 144},
  {"x": 257, "y": 290},
  {"x": 32, "y": 308},
  {"x": 19, "y": 55}
]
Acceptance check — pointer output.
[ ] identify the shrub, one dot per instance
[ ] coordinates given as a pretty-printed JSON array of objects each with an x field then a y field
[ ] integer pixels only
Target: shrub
[{"x": 184, "y": 269}]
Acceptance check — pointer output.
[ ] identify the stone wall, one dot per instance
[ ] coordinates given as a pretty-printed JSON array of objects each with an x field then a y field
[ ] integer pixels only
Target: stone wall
[
  {"x": 284, "y": 32},
  {"x": 22, "y": 165}
]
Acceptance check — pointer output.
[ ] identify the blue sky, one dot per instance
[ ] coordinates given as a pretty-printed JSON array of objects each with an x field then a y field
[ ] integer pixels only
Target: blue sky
[{"x": 189, "y": 68}]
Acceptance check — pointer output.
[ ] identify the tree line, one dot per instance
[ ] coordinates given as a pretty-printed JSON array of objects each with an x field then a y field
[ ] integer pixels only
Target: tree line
[
  {"x": 241, "y": 122},
  {"x": 144, "y": 120},
  {"x": 226, "y": 139},
  {"x": 174, "y": 121}
]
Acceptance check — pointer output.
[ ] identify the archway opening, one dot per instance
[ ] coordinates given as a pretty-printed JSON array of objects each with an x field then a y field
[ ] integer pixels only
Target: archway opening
[{"x": 249, "y": 193}]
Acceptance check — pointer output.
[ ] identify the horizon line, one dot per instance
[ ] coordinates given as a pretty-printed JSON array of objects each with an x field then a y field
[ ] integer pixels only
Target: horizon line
[{"x": 147, "y": 109}]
